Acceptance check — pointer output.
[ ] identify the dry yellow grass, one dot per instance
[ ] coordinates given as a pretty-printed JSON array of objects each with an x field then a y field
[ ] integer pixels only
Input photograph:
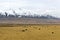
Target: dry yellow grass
[{"x": 30, "y": 32}]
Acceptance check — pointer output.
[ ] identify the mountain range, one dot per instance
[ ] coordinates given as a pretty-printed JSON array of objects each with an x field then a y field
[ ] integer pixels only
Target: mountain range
[{"x": 22, "y": 13}]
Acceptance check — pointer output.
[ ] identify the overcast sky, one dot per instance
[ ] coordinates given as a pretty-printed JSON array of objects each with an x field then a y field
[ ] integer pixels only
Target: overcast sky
[{"x": 41, "y": 6}]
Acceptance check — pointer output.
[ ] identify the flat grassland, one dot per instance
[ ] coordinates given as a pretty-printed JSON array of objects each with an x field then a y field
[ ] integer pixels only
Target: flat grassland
[{"x": 30, "y": 32}]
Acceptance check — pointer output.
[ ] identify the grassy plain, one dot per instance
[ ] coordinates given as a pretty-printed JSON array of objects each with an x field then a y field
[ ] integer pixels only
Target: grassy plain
[{"x": 30, "y": 32}]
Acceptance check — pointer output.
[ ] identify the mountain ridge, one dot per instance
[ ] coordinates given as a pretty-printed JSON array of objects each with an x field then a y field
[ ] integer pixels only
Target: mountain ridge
[{"x": 12, "y": 13}]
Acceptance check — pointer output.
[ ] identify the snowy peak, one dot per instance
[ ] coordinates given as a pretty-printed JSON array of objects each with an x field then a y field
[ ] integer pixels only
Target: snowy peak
[{"x": 23, "y": 13}]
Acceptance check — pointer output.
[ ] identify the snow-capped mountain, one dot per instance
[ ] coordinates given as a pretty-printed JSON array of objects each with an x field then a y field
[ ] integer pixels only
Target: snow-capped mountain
[
  {"x": 18, "y": 12},
  {"x": 22, "y": 13}
]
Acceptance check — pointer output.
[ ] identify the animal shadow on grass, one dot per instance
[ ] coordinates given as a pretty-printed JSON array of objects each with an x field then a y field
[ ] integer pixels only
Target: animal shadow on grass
[
  {"x": 24, "y": 30},
  {"x": 39, "y": 29},
  {"x": 52, "y": 32}
]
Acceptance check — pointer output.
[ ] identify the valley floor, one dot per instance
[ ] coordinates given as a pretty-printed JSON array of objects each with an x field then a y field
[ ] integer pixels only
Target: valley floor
[{"x": 30, "y": 32}]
